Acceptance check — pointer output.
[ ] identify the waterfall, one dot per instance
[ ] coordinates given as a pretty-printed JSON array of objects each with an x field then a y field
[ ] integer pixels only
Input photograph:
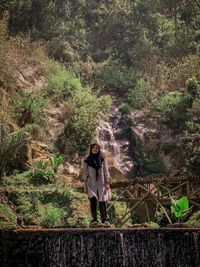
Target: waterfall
[
  {"x": 100, "y": 248},
  {"x": 112, "y": 136}
]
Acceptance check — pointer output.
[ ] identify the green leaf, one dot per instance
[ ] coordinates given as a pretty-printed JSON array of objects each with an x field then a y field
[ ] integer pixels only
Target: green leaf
[{"x": 183, "y": 203}]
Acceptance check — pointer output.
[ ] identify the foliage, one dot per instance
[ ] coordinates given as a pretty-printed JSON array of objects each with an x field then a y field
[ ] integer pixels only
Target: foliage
[
  {"x": 56, "y": 161},
  {"x": 61, "y": 82},
  {"x": 124, "y": 108},
  {"x": 173, "y": 109},
  {"x": 148, "y": 164},
  {"x": 192, "y": 86},
  {"x": 179, "y": 207},
  {"x": 190, "y": 142},
  {"x": 142, "y": 95},
  {"x": 83, "y": 111},
  {"x": 12, "y": 147},
  {"x": 42, "y": 176},
  {"x": 54, "y": 216},
  {"x": 27, "y": 204},
  {"x": 114, "y": 76},
  {"x": 29, "y": 108},
  {"x": 8, "y": 219}
]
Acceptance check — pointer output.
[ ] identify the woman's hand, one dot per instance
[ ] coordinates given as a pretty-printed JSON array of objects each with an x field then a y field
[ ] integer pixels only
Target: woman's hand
[{"x": 107, "y": 186}]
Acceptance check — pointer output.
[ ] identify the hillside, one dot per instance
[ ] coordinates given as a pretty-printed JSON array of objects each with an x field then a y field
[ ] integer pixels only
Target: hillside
[{"x": 62, "y": 65}]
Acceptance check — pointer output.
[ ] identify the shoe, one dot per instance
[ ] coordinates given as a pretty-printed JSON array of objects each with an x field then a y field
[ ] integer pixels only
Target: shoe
[
  {"x": 105, "y": 223},
  {"x": 94, "y": 222}
]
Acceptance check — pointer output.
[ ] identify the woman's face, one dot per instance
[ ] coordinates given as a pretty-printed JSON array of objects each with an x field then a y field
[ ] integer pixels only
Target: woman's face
[{"x": 95, "y": 149}]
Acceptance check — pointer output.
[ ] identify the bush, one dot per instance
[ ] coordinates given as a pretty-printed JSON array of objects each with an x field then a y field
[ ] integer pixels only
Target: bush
[
  {"x": 56, "y": 161},
  {"x": 12, "y": 148},
  {"x": 192, "y": 86},
  {"x": 115, "y": 76},
  {"x": 8, "y": 219},
  {"x": 190, "y": 142},
  {"x": 143, "y": 95},
  {"x": 54, "y": 217},
  {"x": 173, "y": 109},
  {"x": 42, "y": 176},
  {"x": 27, "y": 204},
  {"x": 82, "y": 113},
  {"x": 124, "y": 108},
  {"x": 61, "y": 83},
  {"x": 28, "y": 108}
]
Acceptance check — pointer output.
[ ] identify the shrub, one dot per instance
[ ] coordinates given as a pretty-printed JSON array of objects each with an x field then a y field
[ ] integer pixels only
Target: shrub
[
  {"x": 192, "y": 86},
  {"x": 42, "y": 176},
  {"x": 190, "y": 143},
  {"x": 27, "y": 204},
  {"x": 8, "y": 219},
  {"x": 143, "y": 95},
  {"x": 28, "y": 108},
  {"x": 12, "y": 148},
  {"x": 54, "y": 217},
  {"x": 83, "y": 111},
  {"x": 56, "y": 161},
  {"x": 61, "y": 82},
  {"x": 173, "y": 109},
  {"x": 115, "y": 76},
  {"x": 124, "y": 108}
]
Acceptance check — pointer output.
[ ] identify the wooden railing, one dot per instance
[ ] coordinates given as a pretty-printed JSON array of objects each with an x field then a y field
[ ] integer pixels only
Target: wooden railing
[{"x": 158, "y": 190}]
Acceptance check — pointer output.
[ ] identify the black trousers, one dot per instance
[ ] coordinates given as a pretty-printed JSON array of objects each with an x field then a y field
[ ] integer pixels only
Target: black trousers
[{"x": 102, "y": 209}]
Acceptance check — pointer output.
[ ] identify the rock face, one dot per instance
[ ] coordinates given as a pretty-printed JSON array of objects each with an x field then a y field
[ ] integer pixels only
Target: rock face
[
  {"x": 101, "y": 247},
  {"x": 156, "y": 140}
]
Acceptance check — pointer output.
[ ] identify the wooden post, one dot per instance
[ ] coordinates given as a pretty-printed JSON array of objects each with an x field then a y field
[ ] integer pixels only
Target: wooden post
[{"x": 138, "y": 204}]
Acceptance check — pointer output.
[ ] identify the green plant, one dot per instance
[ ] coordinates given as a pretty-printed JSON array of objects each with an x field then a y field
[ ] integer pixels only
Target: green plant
[
  {"x": 8, "y": 219},
  {"x": 54, "y": 216},
  {"x": 142, "y": 95},
  {"x": 190, "y": 141},
  {"x": 179, "y": 207},
  {"x": 56, "y": 161},
  {"x": 61, "y": 82},
  {"x": 28, "y": 108},
  {"x": 42, "y": 176},
  {"x": 124, "y": 108},
  {"x": 12, "y": 146},
  {"x": 192, "y": 86},
  {"x": 82, "y": 113},
  {"x": 173, "y": 109},
  {"x": 41, "y": 164}
]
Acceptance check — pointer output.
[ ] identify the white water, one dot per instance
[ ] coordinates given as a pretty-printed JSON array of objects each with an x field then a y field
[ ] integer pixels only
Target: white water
[{"x": 112, "y": 137}]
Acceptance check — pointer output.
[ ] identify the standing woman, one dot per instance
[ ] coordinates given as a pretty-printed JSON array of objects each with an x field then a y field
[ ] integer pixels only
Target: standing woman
[{"x": 97, "y": 183}]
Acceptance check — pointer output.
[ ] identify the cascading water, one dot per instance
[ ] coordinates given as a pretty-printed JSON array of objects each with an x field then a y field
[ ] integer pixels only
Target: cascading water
[
  {"x": 100, "y": 248},
  {"x": 112, "y": 135}
]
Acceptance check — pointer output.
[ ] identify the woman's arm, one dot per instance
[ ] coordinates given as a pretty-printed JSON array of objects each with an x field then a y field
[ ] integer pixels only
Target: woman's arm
[
  {"x": 85, "y": 171},
  {"x": 107, "y": 177},
  {"x": 85, "y": 176}
]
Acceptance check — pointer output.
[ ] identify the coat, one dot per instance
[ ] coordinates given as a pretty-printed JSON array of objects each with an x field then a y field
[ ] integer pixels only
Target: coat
[{"x": 96, "y": 187}]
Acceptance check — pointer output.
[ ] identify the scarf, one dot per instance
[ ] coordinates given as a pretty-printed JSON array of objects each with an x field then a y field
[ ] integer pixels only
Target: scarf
[{"x": 95, "y": 161}]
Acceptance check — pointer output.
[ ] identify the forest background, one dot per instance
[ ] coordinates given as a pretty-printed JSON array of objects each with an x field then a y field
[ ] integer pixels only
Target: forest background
[{"x": 84, "y": 55}]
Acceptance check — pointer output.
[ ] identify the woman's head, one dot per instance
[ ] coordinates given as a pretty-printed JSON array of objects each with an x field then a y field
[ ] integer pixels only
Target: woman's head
[{"x": 94, "y": 149}]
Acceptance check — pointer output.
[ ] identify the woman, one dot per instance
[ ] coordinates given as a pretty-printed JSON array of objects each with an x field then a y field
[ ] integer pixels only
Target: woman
[{"x": 96, "y": 183}]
